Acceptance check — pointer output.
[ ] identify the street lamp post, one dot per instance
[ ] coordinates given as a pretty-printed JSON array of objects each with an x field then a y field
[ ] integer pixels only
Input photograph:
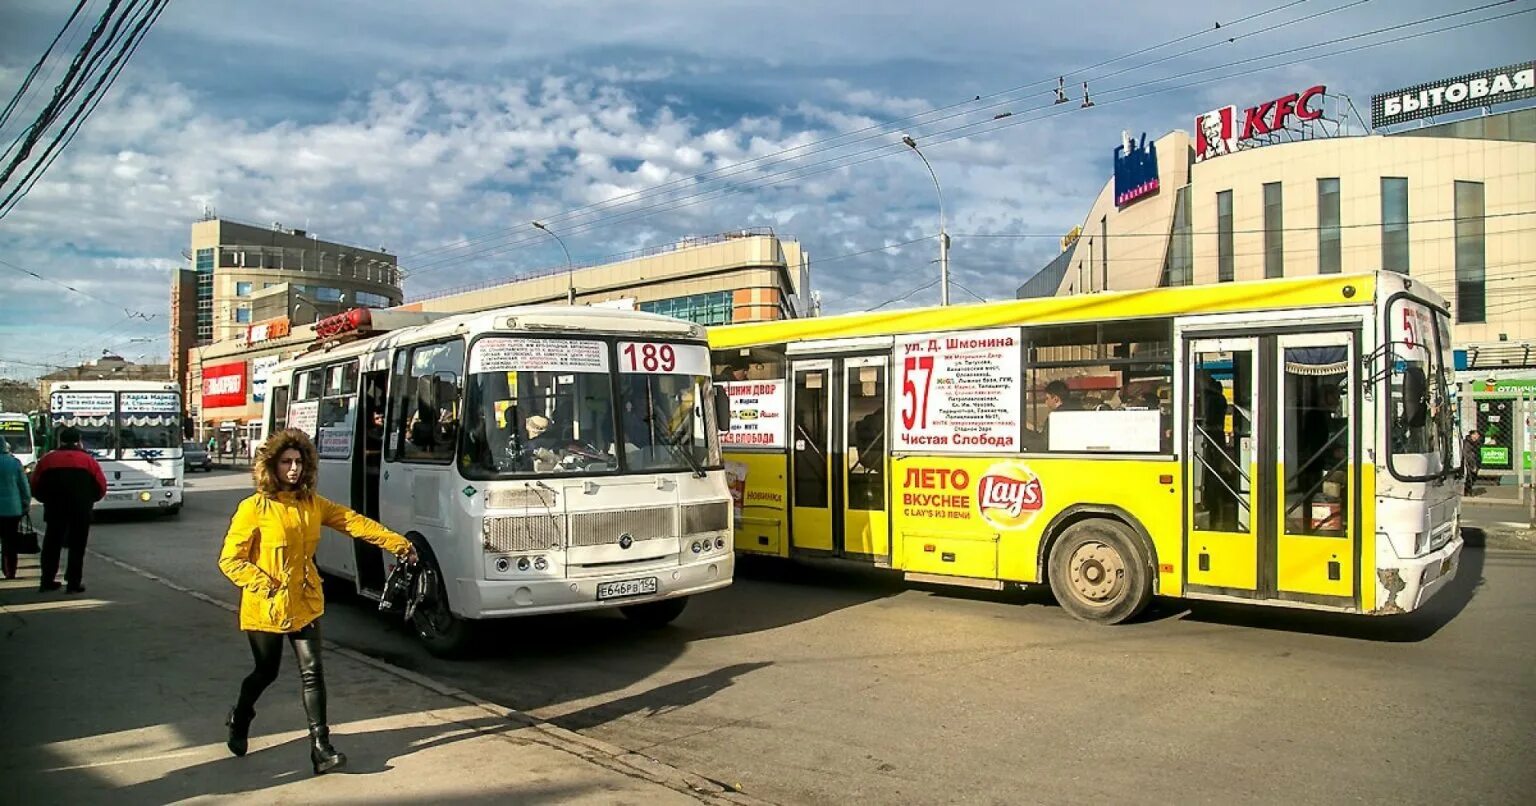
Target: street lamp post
[
  {"x": 570, "y": 268},
  {"x": 943, "y": 232}
]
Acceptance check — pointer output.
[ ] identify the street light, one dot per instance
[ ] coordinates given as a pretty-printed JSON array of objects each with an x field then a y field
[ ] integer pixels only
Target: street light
[
  {"x": 570, "y": 268},
  {"x": 943, "y": 232}
]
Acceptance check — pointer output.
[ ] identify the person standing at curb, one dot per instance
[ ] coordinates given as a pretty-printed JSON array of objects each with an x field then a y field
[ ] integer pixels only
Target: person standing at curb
[
  {"x": 269, "y": 553},
  {"x": 69, "y": 482},
  {"x": 15, "y": 500},
  {"x": 1471, "y": 459}
]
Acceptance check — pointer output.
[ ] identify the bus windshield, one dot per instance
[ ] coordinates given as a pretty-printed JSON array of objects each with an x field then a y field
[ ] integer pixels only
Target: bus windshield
[
  {"x": 141, "y": 434},
  {"x": 663, "y": 423},
  {"x": 17, "y": 434},
  {"x": 1419, "y": 406},
  {"x": 538, "y": 422}
]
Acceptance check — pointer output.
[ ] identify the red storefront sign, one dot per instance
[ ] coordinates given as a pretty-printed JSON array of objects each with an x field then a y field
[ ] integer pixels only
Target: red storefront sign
[
  {"x": 270, "y": 329},
  {"x": 224, "y": 385},
  {"x": 1223, "y": 131}
]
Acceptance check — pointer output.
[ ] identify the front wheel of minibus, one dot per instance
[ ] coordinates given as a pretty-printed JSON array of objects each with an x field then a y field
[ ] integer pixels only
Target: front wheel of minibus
[
  {"x": 656, "y": 614},
  {"x": 1098, "y": 572},
  {"x": 441, "y": 632}
]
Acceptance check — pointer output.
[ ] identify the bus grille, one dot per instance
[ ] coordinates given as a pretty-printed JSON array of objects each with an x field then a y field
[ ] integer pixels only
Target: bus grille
[
  {"x": 603, "y": 528},
  {"x": 715, "y": 517},
  {"x": 519, "y": 533}
]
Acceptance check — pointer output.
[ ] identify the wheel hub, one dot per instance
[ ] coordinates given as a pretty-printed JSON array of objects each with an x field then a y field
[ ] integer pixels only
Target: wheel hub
[{"x": 1097, "y": 571}]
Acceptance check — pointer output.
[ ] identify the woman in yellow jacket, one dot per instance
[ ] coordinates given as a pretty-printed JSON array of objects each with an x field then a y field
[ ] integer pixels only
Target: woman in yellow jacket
[{"x": 270, "y": 553}]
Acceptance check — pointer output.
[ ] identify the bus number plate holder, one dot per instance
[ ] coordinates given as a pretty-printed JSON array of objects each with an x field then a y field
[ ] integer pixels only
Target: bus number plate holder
[{"x": 625, "y": 588}]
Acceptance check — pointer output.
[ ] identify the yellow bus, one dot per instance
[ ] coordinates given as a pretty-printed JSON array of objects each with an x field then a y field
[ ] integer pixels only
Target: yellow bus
[{"x": 1286, "y": 442}]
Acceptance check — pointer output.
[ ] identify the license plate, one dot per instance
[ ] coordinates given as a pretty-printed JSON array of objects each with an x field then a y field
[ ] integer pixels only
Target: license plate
[{"x": 627, "y": 587}]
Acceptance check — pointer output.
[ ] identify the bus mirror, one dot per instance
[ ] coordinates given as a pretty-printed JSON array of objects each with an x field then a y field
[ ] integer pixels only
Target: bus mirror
[
  {"x": 1415, "y": 393},
  {"x": 722, "y": 409}
]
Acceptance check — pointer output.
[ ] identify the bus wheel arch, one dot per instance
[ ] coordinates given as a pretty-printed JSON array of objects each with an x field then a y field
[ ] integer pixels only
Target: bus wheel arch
[
  {"x": 435, "y": 625},
  {"x": 1099, "y": 562}
]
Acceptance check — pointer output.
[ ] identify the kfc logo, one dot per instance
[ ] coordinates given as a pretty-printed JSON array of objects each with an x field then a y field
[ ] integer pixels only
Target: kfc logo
[{"x": 1218, "y": 131}]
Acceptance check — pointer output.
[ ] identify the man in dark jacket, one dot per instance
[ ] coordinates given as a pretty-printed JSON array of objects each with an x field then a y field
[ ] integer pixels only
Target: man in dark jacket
[
  {"x": 69, "y": 482},
  {"x": 1471, "y": 459}
]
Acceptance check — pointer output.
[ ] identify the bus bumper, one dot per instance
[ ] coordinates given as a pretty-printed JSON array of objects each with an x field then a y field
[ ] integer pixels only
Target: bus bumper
[
  {"x": 502, "y": 599},
  {"x": 158, "y": 498},
  {"x": 1413, "y": 582}
]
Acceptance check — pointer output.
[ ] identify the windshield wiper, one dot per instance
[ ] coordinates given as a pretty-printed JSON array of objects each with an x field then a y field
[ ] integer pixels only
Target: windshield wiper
[{"x": 687, "y": 456}]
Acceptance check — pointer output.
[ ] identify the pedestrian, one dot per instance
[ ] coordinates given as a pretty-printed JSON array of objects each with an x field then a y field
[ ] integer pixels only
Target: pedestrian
[
  {"x": 269, "y": 553},
  {"x": 1471, "y": 459},
  {"x": 69, "y": 482},
  {"x": 15, "y": 501}
]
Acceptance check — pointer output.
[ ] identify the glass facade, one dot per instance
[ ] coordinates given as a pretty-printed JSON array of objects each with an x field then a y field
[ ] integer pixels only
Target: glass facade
[
  {"x": 1394, "y": 223},
  {"x": 1329, "y": 252},
  {"x": 1274, "y": 231},
  {"x": 713, "y": 308},
  {"x": 203, "y": 262},
  {"x": 1471, "y": 254},
  {"x": 1224, "y": 268},
  {"x": 368, "y": 299},
  {"x": 1179, "y": 262}
]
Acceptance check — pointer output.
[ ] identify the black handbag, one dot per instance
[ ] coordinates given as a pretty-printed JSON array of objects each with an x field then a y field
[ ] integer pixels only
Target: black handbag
[
  {"x": 26, "y": 537},
  {"x": 401, "y": 590}
]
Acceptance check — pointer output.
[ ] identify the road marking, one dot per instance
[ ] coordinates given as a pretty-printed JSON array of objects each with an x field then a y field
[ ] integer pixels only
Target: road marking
[{"x": 56, "y": 604}]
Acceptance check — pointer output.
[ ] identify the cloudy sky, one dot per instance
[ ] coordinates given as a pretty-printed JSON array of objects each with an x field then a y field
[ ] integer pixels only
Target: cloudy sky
[{"x": 439, "y": 130}]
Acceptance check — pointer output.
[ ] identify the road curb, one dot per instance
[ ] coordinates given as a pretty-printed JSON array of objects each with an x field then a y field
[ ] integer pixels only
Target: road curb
[{"x": 604, "y": 754}]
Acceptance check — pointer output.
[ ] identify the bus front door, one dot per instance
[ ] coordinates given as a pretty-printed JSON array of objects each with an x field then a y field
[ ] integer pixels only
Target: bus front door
[
  {"x": 838, "y": 458},
  {"x": 1272, "y": 437}
]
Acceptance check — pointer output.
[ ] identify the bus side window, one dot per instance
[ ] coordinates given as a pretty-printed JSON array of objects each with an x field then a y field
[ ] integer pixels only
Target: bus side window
[
  {"x": 399, "y": 398},
  {"x": 434, "y": 387},
  {"x": 1100, "y": 387},
  {"x": 279, "y": 409}
]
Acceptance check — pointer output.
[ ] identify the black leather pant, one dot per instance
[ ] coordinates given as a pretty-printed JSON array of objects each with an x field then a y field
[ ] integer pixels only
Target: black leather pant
[{"x": 267, "y": 650}]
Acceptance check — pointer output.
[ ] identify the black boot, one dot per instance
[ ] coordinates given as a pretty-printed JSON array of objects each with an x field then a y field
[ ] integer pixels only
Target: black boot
[
  {"x": 321, "y": 753},
  {"x": 239, "y": 724}
]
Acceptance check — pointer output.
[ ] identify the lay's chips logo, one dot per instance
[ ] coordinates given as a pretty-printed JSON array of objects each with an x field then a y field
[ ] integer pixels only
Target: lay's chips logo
[{"x": 1009, "y": 496}]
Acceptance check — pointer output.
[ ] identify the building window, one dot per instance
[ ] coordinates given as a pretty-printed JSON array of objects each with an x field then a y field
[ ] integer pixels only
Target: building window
[
  {"x": 1224, "y": 273},
  {"x": 1394, "y": 223},
  {"x": 328, "y": 294},
  {"x": 1471, "y": 254},
  {"x": 1274, "y": 231},
  {"x": 242, "y": 289},
  {"x": 368, "y": 299},
  {"x": 703, "y": 309},
  {"x": 1104, "y": 253},
  {"x": 1178, "y": 264},
  {"x": 243, "y": 315},
  {"x": 205, "y": 260},
  {"x": 1329, "y": 252}
]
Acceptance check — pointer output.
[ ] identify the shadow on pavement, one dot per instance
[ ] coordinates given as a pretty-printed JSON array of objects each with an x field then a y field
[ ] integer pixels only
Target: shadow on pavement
[
  {"x": 1406, "y": 628},
  {"x": 660, "y": 700}
]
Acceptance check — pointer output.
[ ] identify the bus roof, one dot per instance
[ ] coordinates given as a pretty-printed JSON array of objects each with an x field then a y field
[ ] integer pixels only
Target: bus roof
[
  {"x": 116, "y": 386},
  {"x": 542, "y": 319},
  {"x": 1258, "y": 295}
]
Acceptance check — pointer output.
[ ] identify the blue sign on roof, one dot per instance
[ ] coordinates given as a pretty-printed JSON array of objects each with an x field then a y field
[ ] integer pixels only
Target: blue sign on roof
[{"x": 1135, "y": 170}]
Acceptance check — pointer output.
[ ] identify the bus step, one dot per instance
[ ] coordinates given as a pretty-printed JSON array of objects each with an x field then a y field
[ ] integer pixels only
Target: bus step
[{"x": 964, "y": 582}]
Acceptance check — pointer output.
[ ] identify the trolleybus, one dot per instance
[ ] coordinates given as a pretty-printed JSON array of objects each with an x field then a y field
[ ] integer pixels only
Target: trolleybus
[
  {"x": 1286, "y": 442},
  {"x": 16, "y": 429},
  {"x": 541, "y": 459},
  {"x": 133, "y": 428}
]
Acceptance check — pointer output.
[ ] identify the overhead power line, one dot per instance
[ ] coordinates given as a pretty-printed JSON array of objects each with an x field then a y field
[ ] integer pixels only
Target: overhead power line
[
  {"x": 994, "y": 124},
  {"x": 129, "y": 312},
  {"x": 26, "y": 83}
]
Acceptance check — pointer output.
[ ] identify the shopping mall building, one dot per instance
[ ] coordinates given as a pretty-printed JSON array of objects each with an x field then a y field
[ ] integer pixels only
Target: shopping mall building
[
  {"x": 740, "y": 276},
  {"x": 1299, "y": 185}
]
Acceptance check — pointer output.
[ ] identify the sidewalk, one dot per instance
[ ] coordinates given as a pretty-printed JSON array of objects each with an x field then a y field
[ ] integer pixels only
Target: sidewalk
[{"x": 118, "y": 695}]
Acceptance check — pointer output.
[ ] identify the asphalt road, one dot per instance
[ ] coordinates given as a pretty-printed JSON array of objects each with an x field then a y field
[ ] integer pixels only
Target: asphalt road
[{"x": 816, "y": 686}]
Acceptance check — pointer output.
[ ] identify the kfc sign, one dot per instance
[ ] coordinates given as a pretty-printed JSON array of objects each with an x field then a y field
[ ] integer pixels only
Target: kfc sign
[
  {"x": 224, "y": 385},
  {"x": 264, "y": 331},
  {"x": 1135, "y": 169},
  {"x": 1222, "y": 131}
]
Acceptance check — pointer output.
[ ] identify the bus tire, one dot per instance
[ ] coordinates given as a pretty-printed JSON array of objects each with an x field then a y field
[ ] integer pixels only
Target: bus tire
[
  {"x": 1098, "y": 572},
  {"x": 173, "y": 511},
  {"x": 655, "y": 615},
  {"x": 440, "y": 632}
]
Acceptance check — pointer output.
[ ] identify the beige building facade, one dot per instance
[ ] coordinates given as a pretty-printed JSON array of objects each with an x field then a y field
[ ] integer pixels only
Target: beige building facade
[{"x": 1453, "y": 206}]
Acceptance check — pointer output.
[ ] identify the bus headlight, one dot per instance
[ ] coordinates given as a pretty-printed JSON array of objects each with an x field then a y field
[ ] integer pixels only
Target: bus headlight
[
  {"x": 522, "y": 563},
  {"x": 540, "y": 564},
  {"x": 144, "y": 496}
]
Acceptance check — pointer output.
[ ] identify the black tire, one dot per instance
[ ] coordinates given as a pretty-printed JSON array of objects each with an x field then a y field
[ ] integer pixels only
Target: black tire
[
  {"x": 1099, "y": 572},
  {"x": 655, "y": 615},
  {"x": 173, "y": 511},
  {"x": 442, "y": 633}
]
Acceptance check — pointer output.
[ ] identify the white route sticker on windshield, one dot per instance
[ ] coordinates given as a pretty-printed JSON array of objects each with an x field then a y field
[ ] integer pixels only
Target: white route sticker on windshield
[
  {"x": 662, "y": 358},
  {"x": 538, "y": 355}
]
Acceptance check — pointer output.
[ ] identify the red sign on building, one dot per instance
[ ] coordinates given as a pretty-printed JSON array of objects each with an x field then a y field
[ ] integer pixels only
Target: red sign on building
[
  {"x": 224, "y": 385},
  {"x": 1223, "y": 131}
]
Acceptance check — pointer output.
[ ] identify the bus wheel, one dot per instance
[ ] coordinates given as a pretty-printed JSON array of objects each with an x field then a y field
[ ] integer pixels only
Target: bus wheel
[
  {"x": 1098, "y": 573},
  {"x": 656, "y": 614},
  {"x": 441, "y": 632}
]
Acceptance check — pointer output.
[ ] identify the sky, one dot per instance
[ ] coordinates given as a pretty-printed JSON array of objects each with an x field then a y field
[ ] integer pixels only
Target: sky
[{"x": 439, "y": 131}]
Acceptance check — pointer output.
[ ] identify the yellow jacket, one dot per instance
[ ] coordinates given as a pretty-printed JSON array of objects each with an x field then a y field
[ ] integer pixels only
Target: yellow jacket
[{"x": 270, "y": 553}]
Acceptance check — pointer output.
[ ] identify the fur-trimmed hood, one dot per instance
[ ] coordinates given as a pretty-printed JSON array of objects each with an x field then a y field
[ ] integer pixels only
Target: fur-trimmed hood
[{"x": 264, "y": 468}]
